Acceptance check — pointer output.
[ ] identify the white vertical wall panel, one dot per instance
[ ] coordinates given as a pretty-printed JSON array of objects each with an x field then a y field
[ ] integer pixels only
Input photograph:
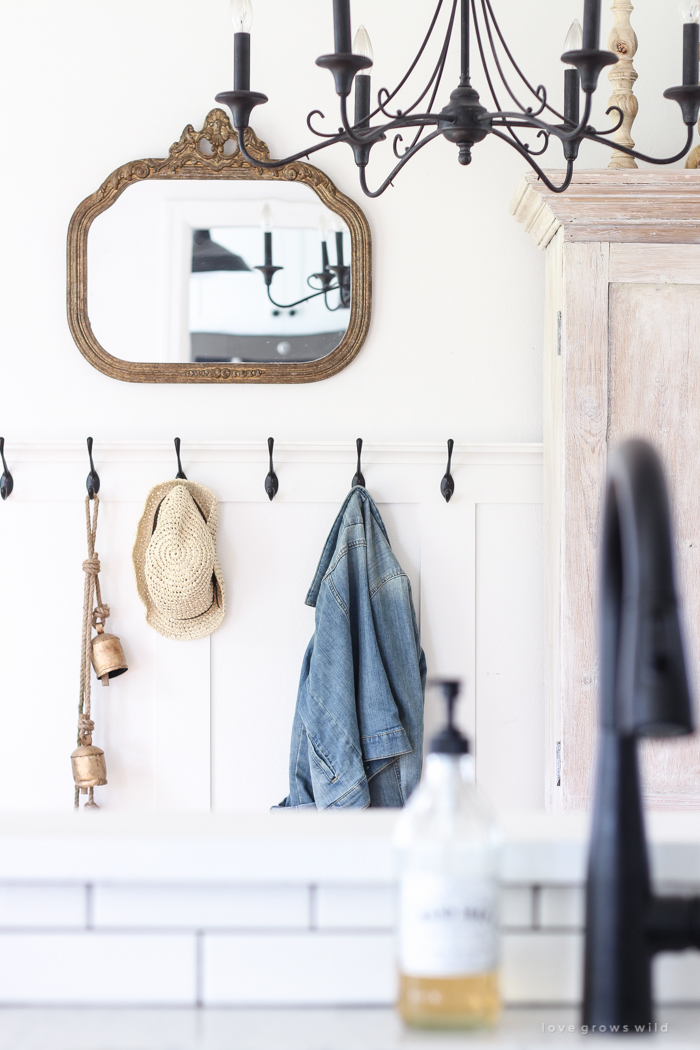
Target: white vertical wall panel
[
  {"x": 510, "y": 727},
  {"x": 42, "y": 546},
  {"x": 124, "y": 713},
  {"x": 206, "y": 724},
  {"x": 272, "y": 551}
]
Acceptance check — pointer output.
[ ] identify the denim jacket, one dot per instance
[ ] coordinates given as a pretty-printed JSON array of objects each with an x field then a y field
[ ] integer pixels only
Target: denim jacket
[{"x": 357, "y": 737}]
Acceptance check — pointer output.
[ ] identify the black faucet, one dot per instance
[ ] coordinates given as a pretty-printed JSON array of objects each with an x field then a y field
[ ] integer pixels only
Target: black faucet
[{"x": 643, "y": 693}]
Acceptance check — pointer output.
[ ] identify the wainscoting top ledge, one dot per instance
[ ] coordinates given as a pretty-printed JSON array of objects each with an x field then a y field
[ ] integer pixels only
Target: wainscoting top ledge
[
  {"x": 538, "y": 848},
  {"x": 256, "y": 452}
]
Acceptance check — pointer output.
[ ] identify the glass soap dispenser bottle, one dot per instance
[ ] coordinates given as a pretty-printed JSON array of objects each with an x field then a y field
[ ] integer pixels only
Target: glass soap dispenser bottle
[{"x": 447, "y": 846}]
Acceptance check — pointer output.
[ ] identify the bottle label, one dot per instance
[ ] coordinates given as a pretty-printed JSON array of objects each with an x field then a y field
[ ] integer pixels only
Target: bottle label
[{"x": 447, "y": 925}]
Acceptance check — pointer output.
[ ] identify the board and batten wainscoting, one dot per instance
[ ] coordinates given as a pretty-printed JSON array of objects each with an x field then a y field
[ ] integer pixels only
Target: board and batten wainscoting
[
  {"x": 622, "y": 331},
  {"x": 205, "y": 725}
]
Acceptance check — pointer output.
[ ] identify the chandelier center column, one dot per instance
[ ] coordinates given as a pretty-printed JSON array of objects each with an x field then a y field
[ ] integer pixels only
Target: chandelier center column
[{"x": 464, "y": 80}]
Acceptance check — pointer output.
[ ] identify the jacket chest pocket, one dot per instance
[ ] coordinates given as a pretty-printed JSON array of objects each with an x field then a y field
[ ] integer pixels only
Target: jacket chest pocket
[{"x": 322, "y": 763}]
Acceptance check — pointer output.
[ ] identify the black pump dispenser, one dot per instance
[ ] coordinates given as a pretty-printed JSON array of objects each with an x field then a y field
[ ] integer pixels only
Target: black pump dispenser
[{"x": 449, "y": 741}]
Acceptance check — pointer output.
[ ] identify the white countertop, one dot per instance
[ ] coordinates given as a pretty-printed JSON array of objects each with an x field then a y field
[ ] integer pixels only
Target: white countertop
[
  {"x": 299, "y": 847},
  {"x": 319, "y": 1029}
]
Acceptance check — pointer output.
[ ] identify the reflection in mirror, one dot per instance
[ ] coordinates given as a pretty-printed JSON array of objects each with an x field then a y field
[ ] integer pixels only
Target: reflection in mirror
[{"x": 206, "y": 271}]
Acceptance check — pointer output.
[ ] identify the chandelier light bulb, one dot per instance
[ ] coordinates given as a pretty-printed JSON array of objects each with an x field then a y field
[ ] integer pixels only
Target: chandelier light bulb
[
  {"x": 241, "y": 15},
  {"x": 690, "y": 10},
  {"x": 362, "y": 45},
  {"x": 266, "y": 218},
  {"x": 574, "y": 38},
  {"x": 323, "y": 225}
]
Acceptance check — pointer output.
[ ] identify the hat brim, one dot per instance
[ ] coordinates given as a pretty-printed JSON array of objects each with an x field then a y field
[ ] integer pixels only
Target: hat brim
[{"x": 200, "y": 626}]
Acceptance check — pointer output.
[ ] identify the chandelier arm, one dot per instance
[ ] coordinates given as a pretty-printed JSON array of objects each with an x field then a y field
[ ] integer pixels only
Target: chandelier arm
[
  {"x": 273, "y": 165},
  {"x": 333, "y": 309},
  {"x": 522, "y": 120},
  {"x": 576, "y": 132},
  {"x": 533, "y": 152},
  {"x": 431, "y": 103},
  {"x": 376, "y": 134},
  {"x": 565, "y": 132},
  {"x": 611, "y": 131},
  {"x": 528, "y": 157},
  {"x": 515, "y": 65},
  {"x": 406, "y": 157},
  {"x": 595, "y": 137},
  {"x": 436, "y": 75},
  {"x": 416, "y": 60},
  {"x": 288, "y": 306},
  {"x": 496, "y": 59},
  {"x": 482, "y": 54},
  {"x": 510, "y": 125},
  {"x": 312, "y": 129},
  {"x": 395, "y": 146},
  {"x": 367, "y": 140}
]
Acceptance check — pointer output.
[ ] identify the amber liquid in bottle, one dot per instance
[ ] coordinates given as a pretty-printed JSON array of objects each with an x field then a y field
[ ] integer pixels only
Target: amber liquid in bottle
[{"x": 449, "y": 1002}]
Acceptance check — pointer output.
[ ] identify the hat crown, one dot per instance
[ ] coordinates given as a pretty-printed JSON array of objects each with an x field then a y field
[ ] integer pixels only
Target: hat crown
[{"x": 180, "y": 557}]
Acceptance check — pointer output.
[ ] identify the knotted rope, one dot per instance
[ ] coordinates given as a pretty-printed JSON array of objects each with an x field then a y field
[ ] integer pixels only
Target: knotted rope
[{"x": 92, "y": 615}]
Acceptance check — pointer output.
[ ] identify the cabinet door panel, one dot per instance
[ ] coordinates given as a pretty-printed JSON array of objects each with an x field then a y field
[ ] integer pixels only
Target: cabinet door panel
[{"x": 654, "y": 392}]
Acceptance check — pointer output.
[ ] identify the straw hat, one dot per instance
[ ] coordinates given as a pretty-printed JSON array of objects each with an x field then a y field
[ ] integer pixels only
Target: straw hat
[{"x": 178, "y": 575}]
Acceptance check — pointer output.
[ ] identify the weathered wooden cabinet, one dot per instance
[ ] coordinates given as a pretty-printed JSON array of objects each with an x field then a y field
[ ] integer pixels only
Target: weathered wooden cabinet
[{"x": 622, "y": 359}]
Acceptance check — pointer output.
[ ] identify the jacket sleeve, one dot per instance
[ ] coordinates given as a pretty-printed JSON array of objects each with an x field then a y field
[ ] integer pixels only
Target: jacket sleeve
[{"x": 326, "y": 704}]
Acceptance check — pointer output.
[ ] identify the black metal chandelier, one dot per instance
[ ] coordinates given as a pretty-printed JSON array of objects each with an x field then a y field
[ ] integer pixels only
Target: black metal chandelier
[{"x": 464, "y": 120}]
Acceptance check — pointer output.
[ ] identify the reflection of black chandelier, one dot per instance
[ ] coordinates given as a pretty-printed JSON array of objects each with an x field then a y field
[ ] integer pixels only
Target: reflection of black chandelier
[
  {"x": 340, "y": 273},
  {"x": 464, "y": 120}
]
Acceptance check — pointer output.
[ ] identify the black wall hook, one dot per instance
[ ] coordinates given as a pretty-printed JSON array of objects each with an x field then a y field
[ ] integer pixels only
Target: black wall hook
[
  {"x": 271, "y": 481},
  {"x": 180, "y": 476},
  {"x": 92, "y": 483},
  {"x": 359, "y": 478},
  {"x": 6, "y": 481},
  {"x": 447, "y": 485}
]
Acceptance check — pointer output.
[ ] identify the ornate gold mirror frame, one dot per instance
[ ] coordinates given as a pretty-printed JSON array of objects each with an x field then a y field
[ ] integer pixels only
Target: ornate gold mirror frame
[{"x": 190, "y": 159}]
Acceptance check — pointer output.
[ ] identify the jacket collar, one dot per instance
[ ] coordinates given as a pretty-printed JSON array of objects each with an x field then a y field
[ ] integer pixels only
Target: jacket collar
[{"x": 358, "y": 503}]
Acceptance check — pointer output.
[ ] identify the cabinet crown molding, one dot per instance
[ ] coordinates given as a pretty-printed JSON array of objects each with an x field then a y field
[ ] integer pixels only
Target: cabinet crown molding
[{"x": 639, "y": 207}]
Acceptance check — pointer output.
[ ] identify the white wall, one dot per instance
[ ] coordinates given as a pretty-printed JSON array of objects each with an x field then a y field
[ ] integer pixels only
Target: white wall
[
  {"x": 455, "y": 344},
  {"x": 456, "y": 337}
]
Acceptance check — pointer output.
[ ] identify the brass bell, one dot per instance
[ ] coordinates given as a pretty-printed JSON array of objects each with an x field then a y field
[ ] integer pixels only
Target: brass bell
[
  {"x": 107, "y": 655},
  {"x": 89, "y": 768}
]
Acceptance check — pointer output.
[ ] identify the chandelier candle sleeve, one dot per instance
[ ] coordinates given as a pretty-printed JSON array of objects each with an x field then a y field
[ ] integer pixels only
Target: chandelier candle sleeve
[
  {"x": 572, "y": 95},
  {"x": 363, "y": 81},
  {"x": 591, "y": 25},
  {"x": 341, "y": 26},
  {"x": 267, "y": 231},
  {"x": 690, "y": 13},
  {"x": 241, "y": 61},
  {"x": 339, "y": 247},
  {"x": 242, "y": 18},
  {"x": 572, "y": 79}
]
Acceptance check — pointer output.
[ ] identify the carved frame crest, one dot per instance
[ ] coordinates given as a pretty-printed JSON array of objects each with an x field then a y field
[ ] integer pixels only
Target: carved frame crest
[{"x": 212, "y": 153}]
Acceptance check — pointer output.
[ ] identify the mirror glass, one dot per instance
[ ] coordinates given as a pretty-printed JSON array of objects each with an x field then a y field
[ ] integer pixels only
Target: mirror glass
[{"x": 219, "y": 271}]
